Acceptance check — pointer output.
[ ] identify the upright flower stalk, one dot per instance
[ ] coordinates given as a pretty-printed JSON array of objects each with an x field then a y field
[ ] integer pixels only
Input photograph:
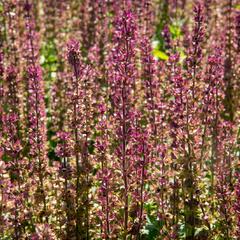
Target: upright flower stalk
[
  {"x": 214, "y": 97},
  {"x": 142, "y": 151},
  {"x": 195, "y": 54},
  {"x": 224, "y": 187},
  {"x": 153, "y": 110},
  {"x": 228, "y": 61},
  {"x": 237, "y": 206},
  {"x": 237, "y": 27},
  {"x": 73, "y": 59},
  {"x": 1, "y": 89},
  {"x": 36, "y": 112},
  {"x": 64, "y": 151},
  {"x": 192, "y": 119},
  {"x": 122, "y": 80},
  {"x": 105, "y": 174},
  {"x": 12, "y": 149},
  {"x": 150, "y": 83},
  {"x": 176, "y": 115},
  {"x": 82, "y": 100},
  {"x": 1, "y": 134},
  {"x": 12, "y": 12}
]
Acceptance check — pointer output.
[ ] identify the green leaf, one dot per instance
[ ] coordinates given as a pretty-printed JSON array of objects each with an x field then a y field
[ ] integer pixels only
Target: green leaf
[
  {"x": 201, "y": 232},
  {"x": 152, "y": 227},
  {"x": 159, "y": 54},
  {"x": 237, "y": 6},
  {"x": 91, "y": 147},
  {"x": 175, "y": 31},
  {"x": 182, "y": 55},
  {"x": 182, "y": 232}
]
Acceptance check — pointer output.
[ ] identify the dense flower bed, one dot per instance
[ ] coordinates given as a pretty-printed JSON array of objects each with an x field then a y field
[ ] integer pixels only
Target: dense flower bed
[{"x": 119, "y": 119}]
